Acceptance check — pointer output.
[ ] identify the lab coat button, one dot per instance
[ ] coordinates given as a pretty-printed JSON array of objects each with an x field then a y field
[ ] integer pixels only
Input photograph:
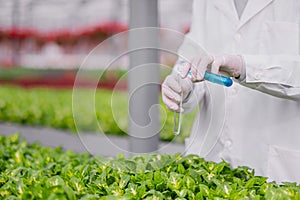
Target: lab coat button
[
  {"x": 257, "y": 76},
  {"x": 237, "y": 36},
  {"x": 228, "y": 143},
  {"x": 233, "y": 90}
]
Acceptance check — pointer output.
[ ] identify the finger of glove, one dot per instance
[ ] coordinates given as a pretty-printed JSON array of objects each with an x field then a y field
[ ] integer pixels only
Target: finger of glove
[
  {"x": 202, "y": 67},
  {"x": 170, "y": 103},
  {"x": 186, "y": 86},
  {"x": 194, "y": 69},
  {"x": 233, "y": 65},
  {"x": 173, "y": 82},
  {"x": 184, "y": 69},
  {"x": 171, "y": 94},
  {"x": 216, "y": 64}
]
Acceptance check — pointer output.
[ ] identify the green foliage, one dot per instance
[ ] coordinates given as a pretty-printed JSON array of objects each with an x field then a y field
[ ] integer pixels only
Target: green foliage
[
  {"x": 53, "y": 108},
  {"x": 35, "y": 172}
]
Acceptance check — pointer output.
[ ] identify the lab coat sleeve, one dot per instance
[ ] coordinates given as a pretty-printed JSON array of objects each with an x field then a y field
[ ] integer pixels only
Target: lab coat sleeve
[
  {"x": 189, "y": 49},
  {"x": 277, "y": 75}
]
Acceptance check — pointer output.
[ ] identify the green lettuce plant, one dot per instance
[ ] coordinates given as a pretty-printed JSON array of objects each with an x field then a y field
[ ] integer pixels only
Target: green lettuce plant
[{"x": 30, "y": 171}]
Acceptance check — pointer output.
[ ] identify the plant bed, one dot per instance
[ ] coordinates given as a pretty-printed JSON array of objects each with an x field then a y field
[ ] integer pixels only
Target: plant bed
[
  {"x": 65, "y": 78},
  {"x": 35, "y": 172},
  {"x": 53, "y": 108}
]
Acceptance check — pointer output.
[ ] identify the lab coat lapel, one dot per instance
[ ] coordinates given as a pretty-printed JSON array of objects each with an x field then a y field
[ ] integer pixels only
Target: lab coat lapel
[
  {"x": 227, "y": 8},
  {"x": 253, "y": 7}
]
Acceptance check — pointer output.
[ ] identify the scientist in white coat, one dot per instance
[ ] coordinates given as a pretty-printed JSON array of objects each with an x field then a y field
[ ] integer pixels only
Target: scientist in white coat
[{"x": 256, "y": 121}]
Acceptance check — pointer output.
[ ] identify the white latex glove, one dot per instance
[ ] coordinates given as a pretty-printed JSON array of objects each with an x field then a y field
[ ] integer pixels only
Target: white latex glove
[
  {"x": 172, "y": 88},
  {"x": 228, "y": 65}
]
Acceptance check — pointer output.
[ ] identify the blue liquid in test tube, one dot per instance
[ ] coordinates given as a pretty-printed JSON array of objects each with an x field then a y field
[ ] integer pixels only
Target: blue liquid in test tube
[{"x": 216, "y": 78}]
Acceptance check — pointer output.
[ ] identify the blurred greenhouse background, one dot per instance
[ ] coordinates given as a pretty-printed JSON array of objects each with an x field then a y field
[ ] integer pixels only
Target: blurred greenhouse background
[
  {"x": 44, "y": 43},
  {"x": 60, "y": 33}
]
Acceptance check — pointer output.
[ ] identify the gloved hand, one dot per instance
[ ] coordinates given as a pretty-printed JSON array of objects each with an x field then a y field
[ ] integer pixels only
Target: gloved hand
[
  {"x": 172, "y": 88},
  {"x": 228, "y": 65}
]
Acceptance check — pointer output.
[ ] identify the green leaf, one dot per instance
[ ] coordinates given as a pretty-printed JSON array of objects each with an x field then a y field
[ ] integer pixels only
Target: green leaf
[
  {"x": 70, "y": 193},
  {"x": 180, "y": 169},
  {"x": 55, "y": 181},
  {"x": 124, "y": 181},
  {"x": 142, "y": 190},
  {"x": 155, "y": 195},
  {"x": 220, "y": 167},
  {"x": 204, "y": 190},
  {"x": 130, "y": 166},
  {"x": 189, "y": 183},
  {"x": 132, "y": 189},
  {"x": 90, "y": 197},
  {"x": 243, "y": 172},
  {"x": 175, "y": 181},
  {"x": 181, "y": 193},
  {"x": 77, "y": 185},
  {"x": 255, "y": 181},
  {"x": 209, "y": 177},
  {"x": 224, "y": 190},
  {"x": 115, "y": 190}
]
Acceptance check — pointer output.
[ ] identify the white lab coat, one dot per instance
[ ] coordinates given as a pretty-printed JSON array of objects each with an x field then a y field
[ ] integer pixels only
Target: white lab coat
[{"x": 256, "y": 122}]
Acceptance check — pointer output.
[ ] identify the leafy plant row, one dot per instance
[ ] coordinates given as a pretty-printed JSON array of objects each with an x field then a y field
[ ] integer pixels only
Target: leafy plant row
[
  {"x": 35, "y": 172},
  {"x": 53, "y": 108}
]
